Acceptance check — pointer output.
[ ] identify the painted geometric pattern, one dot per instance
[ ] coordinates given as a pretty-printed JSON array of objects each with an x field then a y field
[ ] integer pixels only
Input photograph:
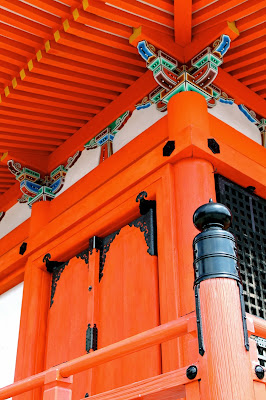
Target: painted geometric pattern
[
  {"x": 35, "y": 188},
  {"x": 105, "y": 138},
  {"x": 108, "y": 133},
  {"x": 197, "y": 76}
]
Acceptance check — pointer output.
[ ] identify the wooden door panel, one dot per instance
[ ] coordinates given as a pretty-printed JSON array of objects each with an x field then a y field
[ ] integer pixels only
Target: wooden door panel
[
  {"x": 128, "y": 304},
  {"x": 67, "y": 321}
]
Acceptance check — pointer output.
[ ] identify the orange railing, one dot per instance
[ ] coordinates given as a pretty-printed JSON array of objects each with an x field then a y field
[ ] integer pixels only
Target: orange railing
[
  {"x": 259, "y": 326},
  {"x": 151, "y": 337},
  {"x": 141, "y": 341}
]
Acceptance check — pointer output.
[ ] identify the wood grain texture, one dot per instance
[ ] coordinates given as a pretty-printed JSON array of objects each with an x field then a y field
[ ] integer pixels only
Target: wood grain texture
[{"x": 227, "y": 361}]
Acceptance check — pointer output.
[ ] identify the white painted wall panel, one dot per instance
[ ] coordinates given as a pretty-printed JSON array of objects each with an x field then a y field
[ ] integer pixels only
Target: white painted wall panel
[
  {"x": 88, "y": 160},
  {"x": 14, "y": 217},
  {"x": 139, "y": 121},
  {"x": 231, "y": 115},
  {"x": 10, "y": 307}
]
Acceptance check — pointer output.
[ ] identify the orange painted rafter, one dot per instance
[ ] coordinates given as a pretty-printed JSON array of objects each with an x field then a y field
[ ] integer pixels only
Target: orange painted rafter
[
  {"x": 14, "y": 137},
  {"x": 245, "y": 60},
  {"x": 5, "y": 78},
  {"x": 214, "y": 9},
  {"x": 258, "y": 86},
  {"x": 19, "y": 35},
  {"x": 205, "y": 38},
  {"x": 32, "y": 88},
  {"x": 56, "y": 83},
  {"x": 183, "y": 21},
  {"x": 262, "y": 93},
  {"x": 94, "y": 60},
  {"x": 41, "y": 117},
  {"x": 251, "y": 20},
  {"x": 21, "y": 124},
  {"x": 30, "y": 12},
  {"x": 254, "y": 78},
  {"x": 64, "y": 70},
  {"x": 126, "y": 101},
  {"x": 13, "y": 58},
  {"x": 144, "y": 10},
  {"x": 4, "y": 178},
  {"x": 33, "y": 27},
  {"x": 107, "y": 25},
  {"x": 14, "y": 145},
  {"x": 71, "y": 3},
  {"x": 252, "y": 69},
  {"x": 43, "y": 108},
  {"x": 73, "y": 65},
  {"x": 238, "y": 12},
  {"x": 8, "y": 68},
  {"x": 99, "y": 49},
  {"x": 52, "y": 6},
  {"x": 16, "y": 47},
  {"x": 34, "y": 131},
  {"x": 241, "y": 93},
  {"x": 79, "y": 29},
  {"x": 249, "y": 35},
  {"x": 50, "y": 101},
  {"x": 199, "y": 4},
  {"x": 166, "y": 5},
  {"x": 245, "y": 50},
  {"x": 123, "y": 17},
  {"x": 158, "y": 40}
]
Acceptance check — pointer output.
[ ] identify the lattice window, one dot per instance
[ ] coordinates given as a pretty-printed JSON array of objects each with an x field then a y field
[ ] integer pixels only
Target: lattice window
[
  {"x": 261, "y": 346},
  {"x": 249, "y": 227}
]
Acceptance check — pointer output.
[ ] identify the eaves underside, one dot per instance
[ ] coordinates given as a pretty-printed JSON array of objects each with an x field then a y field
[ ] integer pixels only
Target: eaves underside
[{"x": 65, "y": 62}]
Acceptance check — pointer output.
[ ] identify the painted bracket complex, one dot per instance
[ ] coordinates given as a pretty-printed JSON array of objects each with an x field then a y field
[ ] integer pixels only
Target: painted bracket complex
[
  {"x": 34, "y": 187},
  {"x": 105, "y": 138},
  {"x": 197, "y": 76}
]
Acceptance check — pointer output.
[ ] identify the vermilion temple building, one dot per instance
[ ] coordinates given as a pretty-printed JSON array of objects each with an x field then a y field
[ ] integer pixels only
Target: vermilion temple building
[{"x": 132, "y": 199}]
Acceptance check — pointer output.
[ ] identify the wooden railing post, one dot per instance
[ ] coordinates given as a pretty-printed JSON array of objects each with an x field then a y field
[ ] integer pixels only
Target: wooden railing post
[
  {"x": 221, "y": 320},
  {"x": 56, "y": 387}
]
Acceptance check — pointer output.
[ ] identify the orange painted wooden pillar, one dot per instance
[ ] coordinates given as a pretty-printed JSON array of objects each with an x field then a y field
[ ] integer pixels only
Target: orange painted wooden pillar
[
  {"x": 226, "y": 364},
  {"x": 194, "y": 185},
  {"x": 35, "y": 305}
]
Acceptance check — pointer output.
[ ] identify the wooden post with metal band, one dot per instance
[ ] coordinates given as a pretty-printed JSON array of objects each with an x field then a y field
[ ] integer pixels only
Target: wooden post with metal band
[{"x": 221, "y": 320}]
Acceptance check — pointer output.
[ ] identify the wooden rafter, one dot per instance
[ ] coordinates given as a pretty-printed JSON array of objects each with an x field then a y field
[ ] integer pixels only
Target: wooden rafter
[
  {"x": 124, "y": 16},
  {"x": 238, "y": 12},
  {"x": 205, "y": 38}
]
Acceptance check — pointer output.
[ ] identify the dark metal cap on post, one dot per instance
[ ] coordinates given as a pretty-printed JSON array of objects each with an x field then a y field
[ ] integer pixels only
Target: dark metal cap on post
[
  {"x": 215, "y": 256},
  {"x": 215, "y": 251}
]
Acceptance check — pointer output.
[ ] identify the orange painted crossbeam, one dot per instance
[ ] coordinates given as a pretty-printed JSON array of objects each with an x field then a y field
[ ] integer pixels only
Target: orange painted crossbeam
[
  {"x": 259, "y": 326},
  {"x": 130, "y": 345},
  {"x": 159, "y": 334}
]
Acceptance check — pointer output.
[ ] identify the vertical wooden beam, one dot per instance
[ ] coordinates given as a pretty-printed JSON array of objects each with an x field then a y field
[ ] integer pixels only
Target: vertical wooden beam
[
  {"x": 193, "y": 185},
  {"x": 183, "y": 21},
  {"x": 35, "y": 306}
]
